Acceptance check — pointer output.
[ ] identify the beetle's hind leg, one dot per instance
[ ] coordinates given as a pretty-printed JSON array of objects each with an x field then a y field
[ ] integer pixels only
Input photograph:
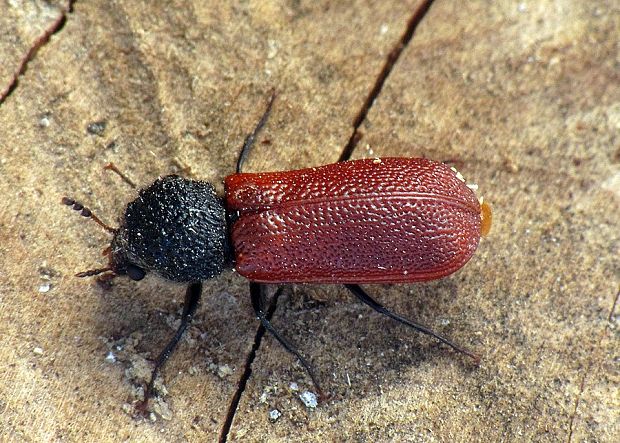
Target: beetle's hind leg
[
  {"x": 257, "y": 293},
  {"x": 367, "y": 299},
  {"x": 192, "y": 299}
]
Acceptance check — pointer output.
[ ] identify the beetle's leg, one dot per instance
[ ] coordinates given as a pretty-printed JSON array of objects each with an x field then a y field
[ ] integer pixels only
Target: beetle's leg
[
  {"x": 192, "y": 298},
  {"x": 367, "y": 299},
  {"x": 257, "y": 293},
  {"x": 249, "y": 140}
]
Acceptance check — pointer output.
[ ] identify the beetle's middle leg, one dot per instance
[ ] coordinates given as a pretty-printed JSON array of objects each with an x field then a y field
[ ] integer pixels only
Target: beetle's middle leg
[{"x": 257, "y": 292}]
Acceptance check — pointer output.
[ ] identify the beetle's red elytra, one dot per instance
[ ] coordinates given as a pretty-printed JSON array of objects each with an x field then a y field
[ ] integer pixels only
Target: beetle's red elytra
[{"x": 389, "y": 220}]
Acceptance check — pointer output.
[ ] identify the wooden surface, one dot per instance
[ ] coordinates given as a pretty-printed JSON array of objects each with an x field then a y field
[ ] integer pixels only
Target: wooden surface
[{"x": 524, "y": 97}]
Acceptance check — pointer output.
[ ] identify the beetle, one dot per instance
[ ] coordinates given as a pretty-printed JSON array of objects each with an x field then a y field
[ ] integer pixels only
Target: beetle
[{"x": 389, "y": 220}]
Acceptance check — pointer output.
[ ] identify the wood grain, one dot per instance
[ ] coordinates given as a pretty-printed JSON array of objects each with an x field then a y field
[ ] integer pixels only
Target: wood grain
[{"x": 522, "y": 96}]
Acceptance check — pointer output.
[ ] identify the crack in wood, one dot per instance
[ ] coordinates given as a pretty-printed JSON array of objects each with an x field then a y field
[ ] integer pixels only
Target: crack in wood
[
  {"x": 591, "y": 362},
  {"x": 390, "y": 61},
  {"x": 56, "y": 26},
  {"x": 247, "y": 372}
]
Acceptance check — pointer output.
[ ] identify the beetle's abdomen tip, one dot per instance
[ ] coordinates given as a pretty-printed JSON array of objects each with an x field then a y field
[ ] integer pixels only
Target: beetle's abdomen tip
[{"x": 486, "y": 219}]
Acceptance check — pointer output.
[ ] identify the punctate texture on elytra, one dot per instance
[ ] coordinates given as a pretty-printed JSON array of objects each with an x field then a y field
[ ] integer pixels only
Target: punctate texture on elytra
[{"x": 363, "y": 221}]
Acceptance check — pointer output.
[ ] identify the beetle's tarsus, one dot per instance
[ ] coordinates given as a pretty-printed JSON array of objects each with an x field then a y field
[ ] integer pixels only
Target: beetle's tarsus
[
  {"x": 257, "y": 296},
  {"x": 368, "y": 300}
]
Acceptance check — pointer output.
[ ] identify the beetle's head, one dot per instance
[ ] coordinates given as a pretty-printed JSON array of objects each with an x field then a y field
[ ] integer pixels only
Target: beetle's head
[{"x": 175, "y": 228}]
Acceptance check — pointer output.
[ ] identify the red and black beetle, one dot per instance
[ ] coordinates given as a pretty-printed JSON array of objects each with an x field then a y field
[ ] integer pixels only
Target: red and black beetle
[{"x": 389, "y": 220}]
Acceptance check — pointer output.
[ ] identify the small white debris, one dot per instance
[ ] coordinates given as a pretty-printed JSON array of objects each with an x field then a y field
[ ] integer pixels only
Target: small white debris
[
  {"x": 522, "y": 7},
  {"x": 384, "y": 29},
  {"x": 45, "y": 287},
  {"x": 263, "y": 398},
  {"x": 224, "y": 371},
  {"x": 37, "y": 350},
  {"x": 44, "y": 121},
  {"x": 309, "y": 399},
  {"x": 110, "y": 358},
  {"x": 162, "y": 409},
  {"x": 273, "y": 48},
  {"x": 458, "y": 174},
  {"x": 376, "y": 161},
  {"x": 472, "y": 186},
  {"x": 127, "y": 408},
  {"x": 293, "y": 386},
  {"x": 274, "y": 415}
]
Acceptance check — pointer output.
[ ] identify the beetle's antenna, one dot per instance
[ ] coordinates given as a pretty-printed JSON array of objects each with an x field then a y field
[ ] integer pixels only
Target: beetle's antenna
[
  {"x": 85, "y": 212},
  {"x": 249, "y": 140},
  {"x": 92, "y": 272},
  {"x": 112, "y": 167}
]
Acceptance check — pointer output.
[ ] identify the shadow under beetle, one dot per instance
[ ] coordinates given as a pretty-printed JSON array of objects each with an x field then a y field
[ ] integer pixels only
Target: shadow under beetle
[{"x": 389, "y": 220}]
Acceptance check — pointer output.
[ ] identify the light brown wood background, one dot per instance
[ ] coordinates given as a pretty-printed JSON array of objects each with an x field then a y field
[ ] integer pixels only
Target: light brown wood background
[{"x": 525, "y": 96}]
